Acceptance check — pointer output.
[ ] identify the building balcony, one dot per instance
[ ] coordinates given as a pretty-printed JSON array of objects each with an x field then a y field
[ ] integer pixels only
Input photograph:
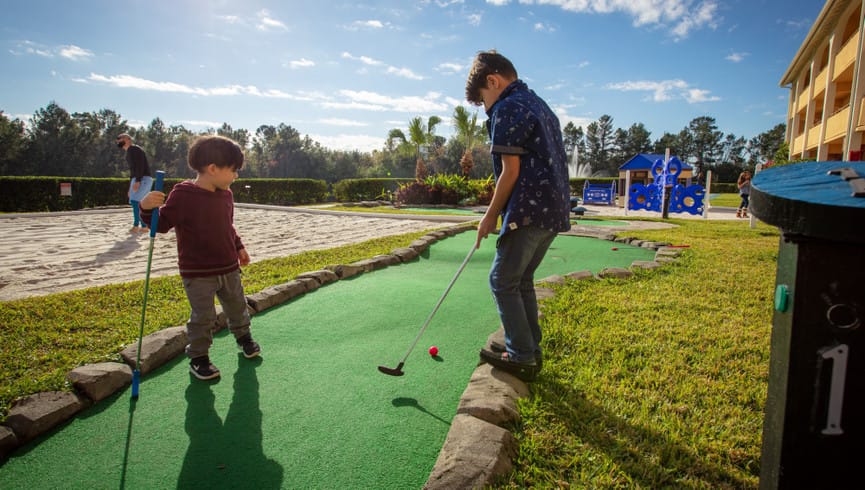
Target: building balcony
[
  {"x": 836, "y": 125},
  {"x": 847, "y": 56},
  {"x": 814, "y": 137},
  {"x": 798, "y": 144}
]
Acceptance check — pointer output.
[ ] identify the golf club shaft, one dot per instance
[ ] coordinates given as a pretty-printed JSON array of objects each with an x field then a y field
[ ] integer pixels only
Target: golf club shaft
[
  {"x": 154, "y": 223},
  {"x": 444, "y": 295}
]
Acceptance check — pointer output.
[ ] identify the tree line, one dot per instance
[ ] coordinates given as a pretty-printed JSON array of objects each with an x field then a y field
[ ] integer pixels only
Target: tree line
[{"x": 58, "y": 143}]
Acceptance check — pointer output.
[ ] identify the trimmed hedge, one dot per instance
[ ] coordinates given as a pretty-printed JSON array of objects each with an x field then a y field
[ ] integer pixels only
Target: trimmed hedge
[
  {"x": 350, "y": 190},
  {"x": 279, "y": 191},
  {"x": 28, "y": 194}
]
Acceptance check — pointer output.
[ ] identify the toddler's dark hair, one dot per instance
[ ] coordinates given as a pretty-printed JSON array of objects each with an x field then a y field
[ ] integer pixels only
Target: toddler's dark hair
[
  {"x": 487, "y": 63},
  {"x": 218, "y": 150}
]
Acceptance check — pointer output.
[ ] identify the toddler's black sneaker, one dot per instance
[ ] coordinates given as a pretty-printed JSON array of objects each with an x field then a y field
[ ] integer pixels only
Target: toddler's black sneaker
[
  {"x": 249, "y": 347},
  {"x": 201, "y": 368}
]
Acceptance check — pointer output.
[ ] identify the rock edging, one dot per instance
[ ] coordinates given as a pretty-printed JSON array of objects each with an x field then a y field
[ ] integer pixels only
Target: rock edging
[{"x": 478, "y": 448}]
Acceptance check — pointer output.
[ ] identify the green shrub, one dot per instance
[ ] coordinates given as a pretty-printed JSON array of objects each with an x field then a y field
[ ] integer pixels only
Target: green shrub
[
  {"x": 414, "y": 192},
  {"x": 29, "y": 194},
  {"x": 279, "y": 191},
  {"x": 350, "y": 190}
]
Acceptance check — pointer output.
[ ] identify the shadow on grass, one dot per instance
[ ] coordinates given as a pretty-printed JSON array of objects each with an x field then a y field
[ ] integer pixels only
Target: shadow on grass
[
  {"x": 227, "y": 454},
  {"x": 411, "y": 402},
  {"x": 648, "y": 457}
]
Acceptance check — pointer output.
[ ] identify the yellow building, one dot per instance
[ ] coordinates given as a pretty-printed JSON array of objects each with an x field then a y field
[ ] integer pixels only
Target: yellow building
[{"x": 825, "y": 116}]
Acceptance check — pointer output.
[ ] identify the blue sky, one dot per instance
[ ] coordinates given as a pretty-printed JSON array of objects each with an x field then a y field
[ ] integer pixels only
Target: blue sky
[{"x": 345, "y": 73}]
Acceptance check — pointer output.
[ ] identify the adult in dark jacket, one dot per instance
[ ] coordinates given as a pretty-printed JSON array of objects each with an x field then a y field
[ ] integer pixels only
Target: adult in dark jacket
[{"x": 140, "y": 181}]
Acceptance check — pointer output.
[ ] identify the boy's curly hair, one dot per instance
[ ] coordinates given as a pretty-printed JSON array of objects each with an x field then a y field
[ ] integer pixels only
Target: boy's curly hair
[
  {"x": 487, "y": 63},
  {"x": 218, "y": 150}
]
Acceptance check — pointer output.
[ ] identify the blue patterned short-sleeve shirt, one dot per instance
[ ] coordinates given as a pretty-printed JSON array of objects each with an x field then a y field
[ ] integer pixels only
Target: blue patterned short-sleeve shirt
[{"x": 521, "y": 123}]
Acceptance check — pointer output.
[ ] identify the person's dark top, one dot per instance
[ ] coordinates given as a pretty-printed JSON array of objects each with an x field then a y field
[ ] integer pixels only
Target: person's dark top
[
  {"x": 207, "y": 242},
  {"x": 137, "y": 160},
  {"x": 521, "y": 123}
]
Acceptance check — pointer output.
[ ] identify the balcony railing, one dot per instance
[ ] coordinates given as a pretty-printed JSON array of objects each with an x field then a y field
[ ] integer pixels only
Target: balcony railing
[
  {"x": 847, "y": 56},
  {"x": 836, "y": 125}
]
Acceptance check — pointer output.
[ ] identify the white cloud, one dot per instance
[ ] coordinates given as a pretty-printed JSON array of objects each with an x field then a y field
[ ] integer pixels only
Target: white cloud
[
  {"x": 301, "y": 63},
  {"x": 403, "y": 72},
  {"x": 372, "y": 101},
  {"x": 683, "y": 16},
  {"x": 350, "y": 142},
  {"x": 375, "y": 24},
  {"x": 393, "y": 70},
  {"x": 695, "y": 95},
  {"x": 69, "y": 51},
  {"x": 75, "y": 53},
  {"x": 201, "y": 124},
  {"x": 474, "y": 19},
  {"x": 736, "y": 57},
  {"x": 366, "y": 60},
  {"x": 451, "y": 68},
  {"x": 341, "y": 122},
  {"x": 665, "y": 90},
  {"x": 128, "y": 81},
  {"x": 266, "y": 22}
]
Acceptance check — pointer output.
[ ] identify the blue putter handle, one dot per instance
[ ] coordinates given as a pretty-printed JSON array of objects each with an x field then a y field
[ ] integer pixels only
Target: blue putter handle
[{"x": 154, "y": 218}]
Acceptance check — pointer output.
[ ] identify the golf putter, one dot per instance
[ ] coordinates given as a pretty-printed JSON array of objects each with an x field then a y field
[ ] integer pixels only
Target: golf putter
[
  {"x": 154, "y": 221},
  {"x": 397, "y": 371}
]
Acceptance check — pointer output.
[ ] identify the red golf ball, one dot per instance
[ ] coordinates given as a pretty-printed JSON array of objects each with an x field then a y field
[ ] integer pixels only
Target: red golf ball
[{"x": 433, "y": 351}]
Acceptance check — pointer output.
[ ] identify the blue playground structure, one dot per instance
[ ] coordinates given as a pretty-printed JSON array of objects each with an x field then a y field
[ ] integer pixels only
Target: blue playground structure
[
  {"x": 599, "y": 193},
  {"x": 665, "y": 174}
]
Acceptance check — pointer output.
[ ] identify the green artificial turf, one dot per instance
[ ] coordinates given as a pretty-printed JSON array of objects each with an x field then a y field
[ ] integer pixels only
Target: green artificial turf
[{"x": 313, "y": 411}]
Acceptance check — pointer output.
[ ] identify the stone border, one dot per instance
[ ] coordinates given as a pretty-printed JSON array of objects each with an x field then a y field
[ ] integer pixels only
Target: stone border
[{"x": 477, "y": 449}]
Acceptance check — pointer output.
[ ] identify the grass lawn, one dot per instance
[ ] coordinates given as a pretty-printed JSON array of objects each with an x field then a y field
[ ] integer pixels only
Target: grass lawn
[
  {"x": 657, "y": 381},
  {"x": 727, "y": 200}
]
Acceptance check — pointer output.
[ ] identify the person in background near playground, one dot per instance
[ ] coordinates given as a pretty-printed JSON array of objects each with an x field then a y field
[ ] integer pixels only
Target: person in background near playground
[
  {"x": 532, "y": 196},
  {"x": 140, "y": 181},
  {"x": 744, "y": 184},
  {"x": 209, "y": 250}
]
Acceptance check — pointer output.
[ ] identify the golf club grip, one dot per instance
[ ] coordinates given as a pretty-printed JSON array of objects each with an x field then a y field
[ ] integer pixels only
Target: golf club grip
[{"x": 157, "y": 186}]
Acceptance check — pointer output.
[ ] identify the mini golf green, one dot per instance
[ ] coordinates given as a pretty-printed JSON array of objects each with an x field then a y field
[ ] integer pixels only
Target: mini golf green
[{"x": 313, "y": 411}]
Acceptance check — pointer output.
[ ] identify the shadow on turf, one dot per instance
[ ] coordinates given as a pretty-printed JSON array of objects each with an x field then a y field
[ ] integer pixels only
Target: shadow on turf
[
  {"x": 227, "y": 454},
  {"x": 411, "y": 402}
]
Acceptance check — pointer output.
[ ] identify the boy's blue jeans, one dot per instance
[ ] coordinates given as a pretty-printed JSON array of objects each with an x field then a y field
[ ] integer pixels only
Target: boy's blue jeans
[{"x": 512, "y": 281}]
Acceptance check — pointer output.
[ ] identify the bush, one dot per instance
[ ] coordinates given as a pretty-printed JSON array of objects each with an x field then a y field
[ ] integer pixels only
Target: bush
[
  {"x": 279, "y": 191},
  {"x": 29, "y": 194},
  {"x": 350, "y": 190},
  {"x": 413, "y": 192}
]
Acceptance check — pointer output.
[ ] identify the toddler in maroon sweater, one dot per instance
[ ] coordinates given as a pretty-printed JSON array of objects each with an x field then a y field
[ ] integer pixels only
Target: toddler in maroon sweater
[{"x": 209, "y": 250}]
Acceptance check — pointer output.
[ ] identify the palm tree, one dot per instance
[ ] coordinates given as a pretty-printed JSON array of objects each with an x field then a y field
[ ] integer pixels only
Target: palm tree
[
  {"x": 468, "y": 131},
  {"x": 420, "y": 135}
]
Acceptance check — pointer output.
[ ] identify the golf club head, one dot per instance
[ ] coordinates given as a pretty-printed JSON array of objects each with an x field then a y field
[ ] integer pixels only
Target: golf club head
[{"x": 397, "y": 371}]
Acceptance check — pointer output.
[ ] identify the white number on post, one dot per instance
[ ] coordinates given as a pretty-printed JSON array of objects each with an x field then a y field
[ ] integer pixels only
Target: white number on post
[{"x": 838, "y": 354}]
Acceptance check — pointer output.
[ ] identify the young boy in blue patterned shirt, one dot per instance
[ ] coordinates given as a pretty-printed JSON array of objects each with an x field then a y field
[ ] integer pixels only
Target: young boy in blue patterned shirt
[{"x": 532, "y": 196}]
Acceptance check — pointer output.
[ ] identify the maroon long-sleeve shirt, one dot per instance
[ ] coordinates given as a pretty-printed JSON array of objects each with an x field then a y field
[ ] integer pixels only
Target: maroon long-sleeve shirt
[{"x": 207, "y": 242}]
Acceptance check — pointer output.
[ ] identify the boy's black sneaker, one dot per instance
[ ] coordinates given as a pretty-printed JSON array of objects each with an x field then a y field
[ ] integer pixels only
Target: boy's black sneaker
[
  {"x": 201, "y": 368},
  {"x": 526, "y": 371},
  {"x": 249, "y": 347}
]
